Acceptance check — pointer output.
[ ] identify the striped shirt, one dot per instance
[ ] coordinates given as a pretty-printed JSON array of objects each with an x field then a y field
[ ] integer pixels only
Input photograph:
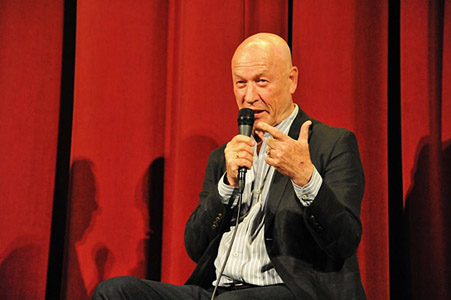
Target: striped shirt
[{"x": 249, "y": 262}]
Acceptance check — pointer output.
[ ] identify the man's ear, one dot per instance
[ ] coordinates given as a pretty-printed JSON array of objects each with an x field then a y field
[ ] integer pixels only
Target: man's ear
[{"x": 293, "y": 79}]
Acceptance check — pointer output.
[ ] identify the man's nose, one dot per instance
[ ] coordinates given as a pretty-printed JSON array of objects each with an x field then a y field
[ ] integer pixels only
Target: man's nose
[{"x": 251, "y": 94}]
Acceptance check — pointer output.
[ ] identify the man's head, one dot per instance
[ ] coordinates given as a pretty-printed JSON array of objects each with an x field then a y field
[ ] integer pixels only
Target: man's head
[{"x": 264, "y": 78}]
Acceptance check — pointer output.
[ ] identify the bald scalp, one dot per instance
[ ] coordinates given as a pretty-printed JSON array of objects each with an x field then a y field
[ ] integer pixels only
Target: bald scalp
[{"x": 267, "y": 44}]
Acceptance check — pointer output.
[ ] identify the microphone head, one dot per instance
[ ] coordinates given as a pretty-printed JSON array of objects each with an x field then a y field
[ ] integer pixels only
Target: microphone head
[
  {"x": 246, "y": 117},
  {"x": 245, "y": 121}
]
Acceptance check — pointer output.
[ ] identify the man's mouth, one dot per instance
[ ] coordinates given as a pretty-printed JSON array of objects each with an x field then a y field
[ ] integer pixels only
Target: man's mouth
[{"x": 258, "y": 113}]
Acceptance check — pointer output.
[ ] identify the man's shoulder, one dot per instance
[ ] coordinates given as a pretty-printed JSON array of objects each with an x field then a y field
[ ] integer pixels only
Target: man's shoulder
[
  {"x": 328, "y": 130},
  {"x": 326, "y": 136},
  {"x": 318, "y": 129}
]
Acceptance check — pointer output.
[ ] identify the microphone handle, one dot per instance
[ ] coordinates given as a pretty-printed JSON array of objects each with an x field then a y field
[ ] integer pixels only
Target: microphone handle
[{"x": 241, "y": 178}]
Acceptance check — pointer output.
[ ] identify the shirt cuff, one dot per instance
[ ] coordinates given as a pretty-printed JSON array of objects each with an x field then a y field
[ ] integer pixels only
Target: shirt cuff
[
  {"x": 227, "y": 191},
  {"x": 307, "y": 193}
]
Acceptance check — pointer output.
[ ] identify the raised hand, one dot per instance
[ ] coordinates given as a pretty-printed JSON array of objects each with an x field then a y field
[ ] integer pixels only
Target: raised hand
[{"x": 290, "y": 157}]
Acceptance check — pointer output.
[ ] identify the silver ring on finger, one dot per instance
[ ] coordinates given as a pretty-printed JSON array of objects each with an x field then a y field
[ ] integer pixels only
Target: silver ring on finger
[{"x": 268, "y": 151}]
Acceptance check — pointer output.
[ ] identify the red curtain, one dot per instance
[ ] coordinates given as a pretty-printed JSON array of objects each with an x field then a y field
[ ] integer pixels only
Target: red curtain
[
  {"x": 426, "y": 146},
  {"x": 341, "y": 49},
  {"x": 153, "y": 96},
  {"x": 30, "y": 69},
  {"x": 117, "y": 140}
]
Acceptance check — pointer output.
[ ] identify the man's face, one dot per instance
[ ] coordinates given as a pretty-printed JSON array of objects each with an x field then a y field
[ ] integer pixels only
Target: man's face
[{"x": 264, "y": 84}]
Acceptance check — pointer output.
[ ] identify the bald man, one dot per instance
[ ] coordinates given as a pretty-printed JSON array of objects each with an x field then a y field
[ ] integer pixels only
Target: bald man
[{"x": 299, "y": 225}]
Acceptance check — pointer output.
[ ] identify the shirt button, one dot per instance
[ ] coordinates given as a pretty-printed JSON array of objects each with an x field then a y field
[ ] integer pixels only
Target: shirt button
[{"x": 235, "y": 254}]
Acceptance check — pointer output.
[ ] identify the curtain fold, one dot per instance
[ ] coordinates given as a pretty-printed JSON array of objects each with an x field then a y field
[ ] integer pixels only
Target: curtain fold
[
  {"x": 117, "y": 144},
  {"x": 426, "y": 151},
  {"x": 341, "y": 49},
  {"x": 30, "y": 66}
]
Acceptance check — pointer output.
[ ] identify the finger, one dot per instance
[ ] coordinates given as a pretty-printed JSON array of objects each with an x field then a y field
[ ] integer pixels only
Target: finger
[
  {"x": 271, "y": 142},
  {"x": 243, "y": 139},
  {"x": 268, "y": 151},
  {"x": 243, "y": 163},
  {"x": 303, "y": 134},
  {"x": 239, "y": 143},
  {"x": 243, "y": 155},
  {"x": 270, "y": 161},
  {"x": 243, "y": 149},
  {"x": 239, "y": 159},
  {"x": 276, "y": 133},
  {"x": 234, "y": 152}
]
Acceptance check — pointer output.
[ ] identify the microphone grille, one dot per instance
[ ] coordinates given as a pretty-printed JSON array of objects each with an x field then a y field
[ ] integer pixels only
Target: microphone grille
[{"x": 246, "y": 117}]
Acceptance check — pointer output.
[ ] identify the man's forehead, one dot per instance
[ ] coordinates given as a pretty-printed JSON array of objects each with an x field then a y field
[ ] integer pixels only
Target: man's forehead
[
  {"x": 251, "y": 69},
  {"x": 248, "y": 60}
]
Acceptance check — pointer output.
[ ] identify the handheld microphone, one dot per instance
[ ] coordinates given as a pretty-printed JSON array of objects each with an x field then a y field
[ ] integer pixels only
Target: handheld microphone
[{"x": 245, "y": 125}]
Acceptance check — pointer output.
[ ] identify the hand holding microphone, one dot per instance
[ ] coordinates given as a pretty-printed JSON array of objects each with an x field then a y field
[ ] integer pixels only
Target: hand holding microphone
[{"x": 239, "y": 152}]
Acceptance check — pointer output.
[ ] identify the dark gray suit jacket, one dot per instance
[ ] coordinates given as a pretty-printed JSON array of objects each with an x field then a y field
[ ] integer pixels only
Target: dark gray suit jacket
[{"x": 312, "y": 248}]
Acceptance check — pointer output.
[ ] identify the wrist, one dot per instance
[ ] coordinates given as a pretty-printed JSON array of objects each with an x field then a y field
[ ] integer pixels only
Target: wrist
[
  {"x": 230, "y": 181},
  {"x": 304, "y": 176}
]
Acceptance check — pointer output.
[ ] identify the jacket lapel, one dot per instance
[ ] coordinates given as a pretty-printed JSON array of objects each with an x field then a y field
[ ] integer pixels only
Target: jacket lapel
[{"x": 280, "y": 183}]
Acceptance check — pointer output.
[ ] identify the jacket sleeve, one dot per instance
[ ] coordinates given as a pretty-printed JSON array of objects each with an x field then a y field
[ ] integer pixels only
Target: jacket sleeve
[
  {"x": 208, "y": 219},
  {"x": 333, "y": 219}
]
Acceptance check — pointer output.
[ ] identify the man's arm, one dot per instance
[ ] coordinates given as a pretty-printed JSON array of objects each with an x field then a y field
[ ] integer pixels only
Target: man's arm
[
  {"x": 333, "y": 218},
  {"x": 207, "y": 220}
]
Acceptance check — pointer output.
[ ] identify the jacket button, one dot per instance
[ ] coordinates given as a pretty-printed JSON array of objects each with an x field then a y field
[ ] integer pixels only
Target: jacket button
[{"x": 313, "y": 221}]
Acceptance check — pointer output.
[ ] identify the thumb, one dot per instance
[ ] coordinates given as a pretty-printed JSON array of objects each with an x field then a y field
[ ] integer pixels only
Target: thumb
[{"x": 303, "y": 134}]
